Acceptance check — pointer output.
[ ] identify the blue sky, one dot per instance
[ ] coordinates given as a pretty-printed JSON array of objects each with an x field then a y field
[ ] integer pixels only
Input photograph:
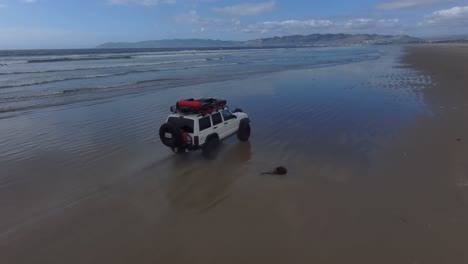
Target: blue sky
[{"x": 87, "y": 23}]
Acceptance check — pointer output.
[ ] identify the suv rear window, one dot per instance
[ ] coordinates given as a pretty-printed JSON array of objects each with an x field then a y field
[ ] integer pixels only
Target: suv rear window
[
  {"x": 184, "y": 123},
  {"x": 216, "y": 119},
  {"x": 204, "y": 123}
]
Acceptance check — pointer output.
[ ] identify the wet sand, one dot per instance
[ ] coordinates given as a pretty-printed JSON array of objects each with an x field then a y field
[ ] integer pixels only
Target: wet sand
[{"x": 381, "y": 186}]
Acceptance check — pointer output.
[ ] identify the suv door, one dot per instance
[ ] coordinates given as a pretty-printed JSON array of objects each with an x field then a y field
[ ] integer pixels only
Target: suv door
[
  {"x": 230, "y": 123},
  {"x": 218, "y": 126},
  {"x": 204, "y": 129}
]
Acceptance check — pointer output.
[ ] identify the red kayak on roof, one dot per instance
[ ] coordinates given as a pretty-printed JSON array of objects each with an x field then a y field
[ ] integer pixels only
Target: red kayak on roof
[
  {"x": 200, "y": 106},
  {"x": 195, "y": 105}
]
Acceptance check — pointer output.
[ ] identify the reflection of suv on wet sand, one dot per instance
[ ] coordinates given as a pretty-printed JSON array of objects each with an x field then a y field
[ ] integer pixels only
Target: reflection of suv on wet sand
[{"x": 202, "y": 124}]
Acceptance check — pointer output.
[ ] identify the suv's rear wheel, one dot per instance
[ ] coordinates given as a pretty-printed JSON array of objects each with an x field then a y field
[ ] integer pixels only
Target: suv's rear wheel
[
  {"x": 210, "y": 149},
  {"x": 243, "y": 133}
]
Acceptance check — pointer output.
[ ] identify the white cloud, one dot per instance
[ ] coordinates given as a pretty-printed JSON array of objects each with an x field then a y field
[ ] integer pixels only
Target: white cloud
[
  {"x": 199, "y": 30},
  {"x": 369, "y": 23},
  {"x": 287, "y": 25},
  {"x": 364, "y": 25},
  {"x": 137, "y": 2},
  {"x": 409, "y": 4},
  {"x": 28, "y": 1},
  {"x": 192, "y": 17},
  {"x": 249, "y": 9},
  {"x": 455, "y": 16}
]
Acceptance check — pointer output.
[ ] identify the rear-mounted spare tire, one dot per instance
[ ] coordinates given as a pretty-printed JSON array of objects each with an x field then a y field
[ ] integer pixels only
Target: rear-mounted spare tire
[{"x": 170, "y": 136}]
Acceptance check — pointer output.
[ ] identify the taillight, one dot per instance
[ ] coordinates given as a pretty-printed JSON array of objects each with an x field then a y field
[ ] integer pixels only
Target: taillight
[
  {"x": 196, "y": 140},
  {"x": 185, "y": 138}
]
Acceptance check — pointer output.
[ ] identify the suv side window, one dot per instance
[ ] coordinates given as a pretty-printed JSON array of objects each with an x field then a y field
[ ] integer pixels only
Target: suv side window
[
  {"x": 204, "y": 123},
  {"x": 216, "y": 119},
  {"x": 227, "y": 115}
]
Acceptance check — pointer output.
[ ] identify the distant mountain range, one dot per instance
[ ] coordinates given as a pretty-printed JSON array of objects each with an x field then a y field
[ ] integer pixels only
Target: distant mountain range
[
  {"x": 456, "y": 38},
  {"x": 456, "y": 41},
  {"x": 286, "y": 41},
  {"x": 332, "y": 40}
]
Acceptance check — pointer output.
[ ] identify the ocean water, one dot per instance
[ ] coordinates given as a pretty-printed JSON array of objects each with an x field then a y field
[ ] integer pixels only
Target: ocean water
[
  {"x": 36, "y": 79},
  {"x": 306, "y": 103}
]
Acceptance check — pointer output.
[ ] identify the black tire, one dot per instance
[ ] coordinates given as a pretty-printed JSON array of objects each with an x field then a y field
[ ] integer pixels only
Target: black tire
[
  {"x": 210, "y": 149},
  {"x": 175, "y": 141},
  {"x": 243, "y": 134}
]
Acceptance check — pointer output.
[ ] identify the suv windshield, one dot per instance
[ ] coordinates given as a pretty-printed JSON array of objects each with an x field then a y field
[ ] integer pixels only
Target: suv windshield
[
  {"x": 227, "y": 115},
  {"x": 184, "y": 123}
]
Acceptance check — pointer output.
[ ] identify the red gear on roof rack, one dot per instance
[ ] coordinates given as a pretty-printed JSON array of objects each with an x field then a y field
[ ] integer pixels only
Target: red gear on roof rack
[
  {"x": 194, "y": 105},
  {"x": 200, "y": 106}
]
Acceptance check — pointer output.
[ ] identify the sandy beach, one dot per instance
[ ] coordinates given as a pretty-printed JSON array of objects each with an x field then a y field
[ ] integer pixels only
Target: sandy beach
[{"x": 378, "y": 172}]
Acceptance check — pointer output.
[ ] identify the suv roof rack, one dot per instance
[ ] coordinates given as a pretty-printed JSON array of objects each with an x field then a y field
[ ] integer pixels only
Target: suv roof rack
[{"x": 200, "y": 106}]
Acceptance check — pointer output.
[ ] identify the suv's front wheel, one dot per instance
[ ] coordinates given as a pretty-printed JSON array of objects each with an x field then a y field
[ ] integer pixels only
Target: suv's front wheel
[
  {"x": 243, "y": 133},
  {"x": 210, "y": 149}
]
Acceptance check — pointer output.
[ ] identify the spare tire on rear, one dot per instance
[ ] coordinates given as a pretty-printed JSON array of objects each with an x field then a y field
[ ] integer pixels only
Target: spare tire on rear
[{"x": 170, "y": 136}]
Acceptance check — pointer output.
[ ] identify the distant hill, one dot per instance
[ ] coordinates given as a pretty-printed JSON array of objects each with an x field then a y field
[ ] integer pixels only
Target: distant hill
[
  {"x": 286, "y": 41},
  {"x": 333, "y": 40},
  {"x": 456, "y": 41},
  {"x": 460, "y": 37}
]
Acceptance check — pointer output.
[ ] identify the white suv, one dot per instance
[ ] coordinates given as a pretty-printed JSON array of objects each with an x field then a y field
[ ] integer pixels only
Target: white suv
[{"x": 203, "y": 126}]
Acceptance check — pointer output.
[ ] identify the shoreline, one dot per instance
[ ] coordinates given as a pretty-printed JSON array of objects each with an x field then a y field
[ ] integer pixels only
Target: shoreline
[
  {"x": 423, "y": 175},
  {"x": 68, "y": 89}
]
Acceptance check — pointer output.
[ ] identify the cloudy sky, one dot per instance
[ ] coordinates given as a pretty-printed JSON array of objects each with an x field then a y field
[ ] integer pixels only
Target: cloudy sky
[{"x": 87, "y": 23}]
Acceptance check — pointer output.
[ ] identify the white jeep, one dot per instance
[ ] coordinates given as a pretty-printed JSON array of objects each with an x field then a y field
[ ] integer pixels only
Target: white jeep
[{"x": 203, "y": 127}]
